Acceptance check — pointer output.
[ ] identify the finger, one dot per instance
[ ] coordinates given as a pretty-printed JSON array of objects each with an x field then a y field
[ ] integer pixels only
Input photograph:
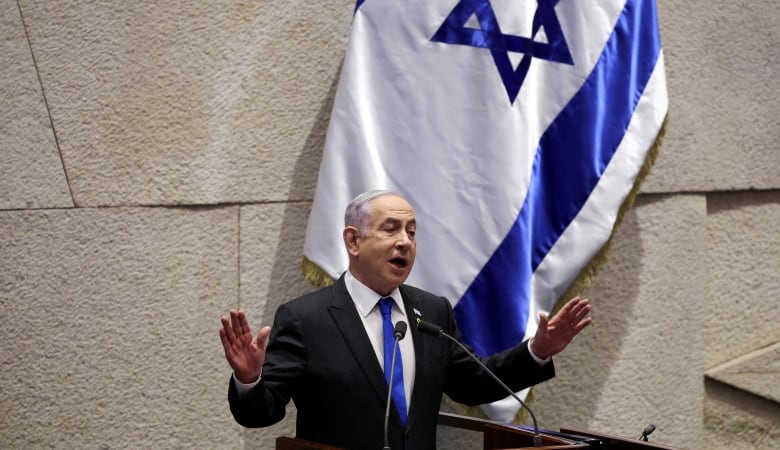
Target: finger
[
  {"x": 229, "y": 346},
  {"x": 568, "y": 306},
  {"x": 234, "y": 322},
  {"x": 227, "y": 343},
  {"x": 571, "y": 306},
  {"x": 227, "y": 330},
  {"x": 578, "y": 305},
  {"x": 262, "y": 336},
  {"x": 582, "y": 303},
  {"x": 242, "y": 325},
  {"x": 563, "y": 317},
  {"x": 244, "y": 322},
  {"x": 582, "y": 324},
  {"x": 582, "y": 313}
]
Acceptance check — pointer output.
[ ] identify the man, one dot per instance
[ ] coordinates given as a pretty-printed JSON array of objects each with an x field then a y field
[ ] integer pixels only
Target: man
[{"x": 326, "y": 348}]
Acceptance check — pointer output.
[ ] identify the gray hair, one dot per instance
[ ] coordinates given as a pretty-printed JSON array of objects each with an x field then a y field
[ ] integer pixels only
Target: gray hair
[{"x": 358, "y": 213}]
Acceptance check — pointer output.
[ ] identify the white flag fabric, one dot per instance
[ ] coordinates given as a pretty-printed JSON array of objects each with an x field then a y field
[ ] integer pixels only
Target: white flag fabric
[{"x": 516, "y": 129}]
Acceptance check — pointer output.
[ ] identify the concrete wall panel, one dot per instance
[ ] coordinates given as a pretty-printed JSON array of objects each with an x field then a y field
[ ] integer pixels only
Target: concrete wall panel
[
  {"x": 735, "y": 420},
  {"x": 110, "y": 328},
  {"x": 31, "y": 172},
  {"x": 744, "y": 257},
  {"x": 724, "y": 118},
  {"x": 182, "y": 102}
]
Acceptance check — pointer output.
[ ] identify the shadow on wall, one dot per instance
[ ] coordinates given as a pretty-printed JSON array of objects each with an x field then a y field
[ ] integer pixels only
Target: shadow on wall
[
  {"x": 730, "y": 201},
  {"x": 568, "y": 399},
  {"x": 735, "y": 416},
  {"x": 286, "y": 281}
]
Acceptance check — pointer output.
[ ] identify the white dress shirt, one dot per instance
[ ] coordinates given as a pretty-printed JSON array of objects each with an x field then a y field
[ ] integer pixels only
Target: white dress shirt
[{"x": 366, "y": 302}]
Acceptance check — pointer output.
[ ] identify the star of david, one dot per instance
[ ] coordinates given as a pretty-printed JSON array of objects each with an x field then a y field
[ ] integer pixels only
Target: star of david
[{"x": 500, "y": 45}]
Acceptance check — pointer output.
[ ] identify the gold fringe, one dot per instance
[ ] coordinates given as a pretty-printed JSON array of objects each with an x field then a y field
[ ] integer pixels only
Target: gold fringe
[{"x": 314, "y": 274}]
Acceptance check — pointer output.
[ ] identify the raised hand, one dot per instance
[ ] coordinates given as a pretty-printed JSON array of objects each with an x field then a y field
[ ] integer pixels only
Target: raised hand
[
  {"x": 244, "y": 353},
  {"x": 553, "y": 335}
]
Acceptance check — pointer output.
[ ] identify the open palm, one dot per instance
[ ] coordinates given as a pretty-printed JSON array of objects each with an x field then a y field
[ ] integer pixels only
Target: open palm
[
  {"x": 553, "y": 335},
  {"x": 245, "y": 353}
]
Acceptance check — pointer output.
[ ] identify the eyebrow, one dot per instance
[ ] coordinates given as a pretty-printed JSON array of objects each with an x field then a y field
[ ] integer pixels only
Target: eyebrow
[{"x": 395, "y": 221}]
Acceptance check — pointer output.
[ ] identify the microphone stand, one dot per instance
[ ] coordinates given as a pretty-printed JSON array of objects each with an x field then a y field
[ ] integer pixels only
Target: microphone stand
[
  {"x": 433, "y": 329},
  {"x": 398, "y": 334}
]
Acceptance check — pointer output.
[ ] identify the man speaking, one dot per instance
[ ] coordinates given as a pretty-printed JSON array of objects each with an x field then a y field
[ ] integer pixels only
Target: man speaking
[{"x": 329, "y": 351}]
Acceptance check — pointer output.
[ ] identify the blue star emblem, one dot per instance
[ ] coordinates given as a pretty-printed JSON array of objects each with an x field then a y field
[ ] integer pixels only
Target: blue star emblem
[{"x": 490, "y": 36}]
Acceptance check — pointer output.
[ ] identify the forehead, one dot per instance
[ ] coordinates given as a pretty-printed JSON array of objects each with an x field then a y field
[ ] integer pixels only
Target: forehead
[{"x": 390, "y": 207}]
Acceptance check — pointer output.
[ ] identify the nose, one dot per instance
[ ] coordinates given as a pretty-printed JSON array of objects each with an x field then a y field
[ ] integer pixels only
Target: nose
[{"x": 404, "y": 241}]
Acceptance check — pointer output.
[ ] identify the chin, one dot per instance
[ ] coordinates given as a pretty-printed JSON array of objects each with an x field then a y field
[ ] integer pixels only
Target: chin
[{"x": 400, "y": 279}]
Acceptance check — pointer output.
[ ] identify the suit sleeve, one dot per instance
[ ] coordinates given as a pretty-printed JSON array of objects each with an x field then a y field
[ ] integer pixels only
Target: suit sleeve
[
  {"x": 284, "y": 366},
  {"x": 468, "y": 383}
]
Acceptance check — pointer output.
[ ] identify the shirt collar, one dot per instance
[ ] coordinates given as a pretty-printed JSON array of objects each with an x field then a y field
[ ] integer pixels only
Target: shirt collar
[{"x": 364, "y": 297}]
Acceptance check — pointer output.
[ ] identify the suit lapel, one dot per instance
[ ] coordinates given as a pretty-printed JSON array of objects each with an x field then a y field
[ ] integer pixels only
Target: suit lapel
[
  {"x": 413, "y": 306},
  {"x": 346, "y": 316}
]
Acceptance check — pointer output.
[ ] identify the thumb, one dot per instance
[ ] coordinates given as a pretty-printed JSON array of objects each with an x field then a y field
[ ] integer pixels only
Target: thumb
[
  {"x": 262, "y": 336},
  {"x": 543, "y": 320}
]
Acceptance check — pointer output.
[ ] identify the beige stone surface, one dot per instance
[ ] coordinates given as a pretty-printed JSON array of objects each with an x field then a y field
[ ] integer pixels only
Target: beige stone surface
[
  {"x": 271, "y": 248},
  {"x": 31, "y": 172},
  {"x": 641, "y": 360},
  {"x": 757, "y": 373},
  {"x": 744, "y": 258},
  {"x": 188, "y": 102},
  {"x": 109, "y": 330},
  {"x": 736, "y": 421},
  {"x": 724, "y": 119}
]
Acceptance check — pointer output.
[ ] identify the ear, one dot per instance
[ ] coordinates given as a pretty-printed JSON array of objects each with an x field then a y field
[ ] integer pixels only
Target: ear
[{"x": 351, "y": 240}]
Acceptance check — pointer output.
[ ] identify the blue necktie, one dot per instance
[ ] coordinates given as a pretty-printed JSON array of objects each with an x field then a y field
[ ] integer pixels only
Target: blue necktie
[{"x": 399, "y": 398}]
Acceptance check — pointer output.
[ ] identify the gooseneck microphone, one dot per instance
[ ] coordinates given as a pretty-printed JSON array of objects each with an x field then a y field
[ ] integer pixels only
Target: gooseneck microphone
[
  {"x": 646, "y": 432},
  {"x": 398, "y": 333},
  {"x": 430, "y": 328}
]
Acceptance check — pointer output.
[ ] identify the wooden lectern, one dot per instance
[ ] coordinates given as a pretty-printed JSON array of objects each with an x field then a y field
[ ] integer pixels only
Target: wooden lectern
[{"x": 497, "y": 435}]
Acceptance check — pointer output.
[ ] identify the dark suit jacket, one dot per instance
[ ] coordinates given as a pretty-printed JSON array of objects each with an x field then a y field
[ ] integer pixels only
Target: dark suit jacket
[{"x": 320, "y": 356}]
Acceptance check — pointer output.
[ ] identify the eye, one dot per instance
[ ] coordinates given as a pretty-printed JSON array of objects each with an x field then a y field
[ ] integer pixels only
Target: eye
[{"x": 390, "y": 230}]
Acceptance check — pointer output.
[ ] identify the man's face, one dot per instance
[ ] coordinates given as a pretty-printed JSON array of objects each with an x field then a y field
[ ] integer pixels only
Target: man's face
[{"x": 383, "y": 259}]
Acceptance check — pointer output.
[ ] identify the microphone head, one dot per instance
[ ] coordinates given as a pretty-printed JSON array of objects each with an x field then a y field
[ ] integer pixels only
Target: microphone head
[
  {"x": 648, "y": 429},
  {"x": 400, "y": 330},
  {"x": 429, "y": 328}
]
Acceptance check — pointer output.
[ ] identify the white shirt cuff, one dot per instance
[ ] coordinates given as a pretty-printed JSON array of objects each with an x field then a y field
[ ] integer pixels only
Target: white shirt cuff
[
  {"x": 538, "y": 360},
  {"x": 243, "y": 388}
]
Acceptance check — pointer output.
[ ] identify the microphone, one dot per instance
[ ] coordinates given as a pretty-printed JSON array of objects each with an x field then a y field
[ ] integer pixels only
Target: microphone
[
  {"x": 398, "y": 333},
  {"x": 646, "y": 432},
  {"x": 400, "y": 330},
  {"x": 430, "y": 328}
]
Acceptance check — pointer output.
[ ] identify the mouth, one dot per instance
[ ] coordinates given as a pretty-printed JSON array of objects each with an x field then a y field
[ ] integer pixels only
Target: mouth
[{"x": 399, "y": 263}]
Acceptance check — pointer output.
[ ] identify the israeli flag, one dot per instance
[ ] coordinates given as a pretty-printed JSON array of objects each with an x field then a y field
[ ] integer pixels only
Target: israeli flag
[{"x": 515, "y": 128}]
